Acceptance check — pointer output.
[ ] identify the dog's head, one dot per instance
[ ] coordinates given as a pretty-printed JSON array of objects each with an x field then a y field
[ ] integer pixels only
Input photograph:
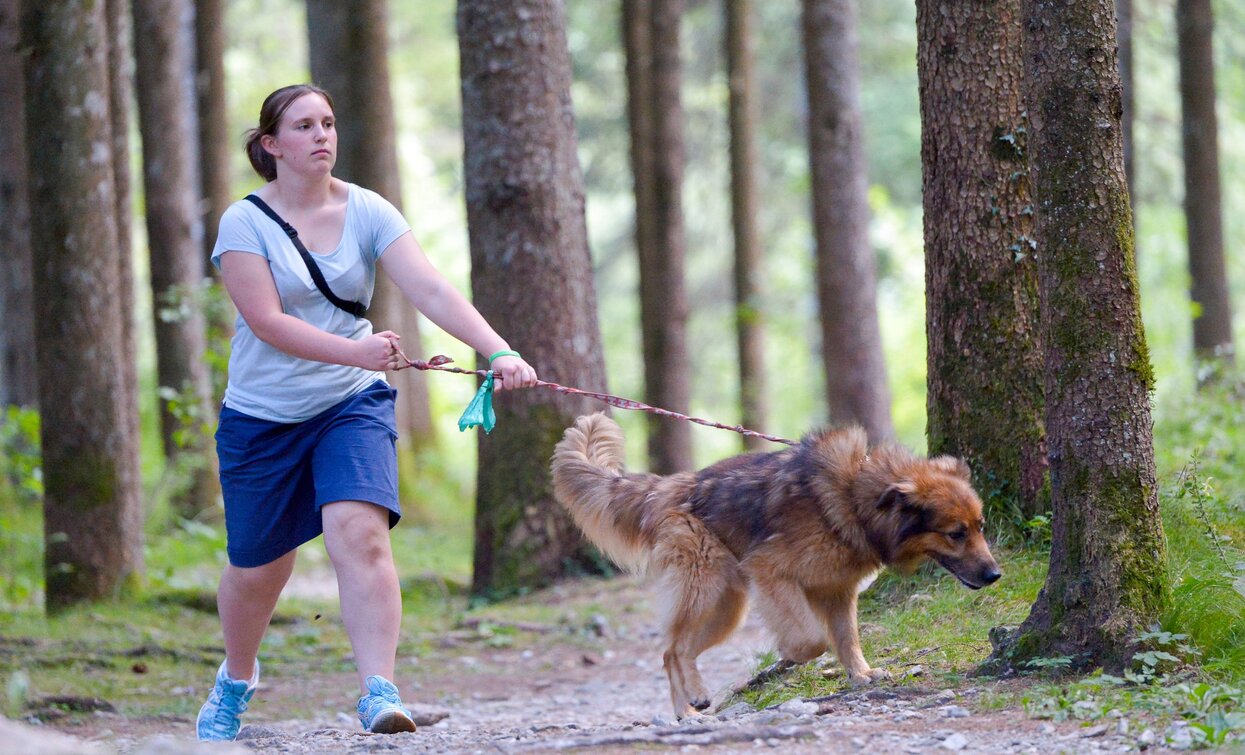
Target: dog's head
[{"x": 934, "y": 513}]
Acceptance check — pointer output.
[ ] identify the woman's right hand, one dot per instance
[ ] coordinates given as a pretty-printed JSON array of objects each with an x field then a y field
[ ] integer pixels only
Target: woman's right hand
[{"x": 379, "y": 352}]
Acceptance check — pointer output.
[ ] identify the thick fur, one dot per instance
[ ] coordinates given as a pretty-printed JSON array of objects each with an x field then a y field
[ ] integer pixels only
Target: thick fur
[{"x": 803, "y": 530}]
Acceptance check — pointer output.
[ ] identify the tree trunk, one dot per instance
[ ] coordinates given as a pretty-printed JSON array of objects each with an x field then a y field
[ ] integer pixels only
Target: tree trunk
[
  {"x": 1212, "y": 322},
  {"x": 749, "y": 264},
  {"x": 213, "y": 112},
  {"x": 93, "y": 520},
  {"x": 349, "y": 58},
  {"x": 530, "y": 273},
  {"x": 1128, "y": 87},
  {"x": 19, "y": 385},
  {"x": 856, "y": 388},
  {"x": 981, "y": 294},
  {"x": 663, "y": 298},
  {"x": 120, "y": 97},
  {"x": 214, "y": 149},
  {"x": 173, "y": 222},
  {"x": 1106, "y": 580}
]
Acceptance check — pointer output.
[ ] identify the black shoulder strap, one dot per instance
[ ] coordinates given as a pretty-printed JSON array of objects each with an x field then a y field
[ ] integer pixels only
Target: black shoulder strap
[{"x": 353, "y": 307}]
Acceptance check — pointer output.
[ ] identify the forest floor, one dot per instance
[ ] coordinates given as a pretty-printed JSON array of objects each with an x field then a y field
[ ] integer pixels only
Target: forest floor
[{"x": 501, "y": 683}]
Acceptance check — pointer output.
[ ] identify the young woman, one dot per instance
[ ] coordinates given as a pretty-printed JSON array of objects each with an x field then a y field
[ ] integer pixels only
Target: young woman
[{"x": 306, "y": 434}]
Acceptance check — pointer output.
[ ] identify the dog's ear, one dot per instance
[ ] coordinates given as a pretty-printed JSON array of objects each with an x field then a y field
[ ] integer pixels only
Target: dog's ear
[
  {"x": 895, "y": 496},
  {"x": 954, "y": 466}
]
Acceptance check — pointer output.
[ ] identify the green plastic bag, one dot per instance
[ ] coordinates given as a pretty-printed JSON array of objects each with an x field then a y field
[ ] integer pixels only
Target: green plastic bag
[{"x": 479, "y": 413}]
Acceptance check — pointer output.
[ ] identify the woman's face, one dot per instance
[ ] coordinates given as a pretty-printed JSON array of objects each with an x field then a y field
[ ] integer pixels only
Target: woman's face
[{"x": 306, "y": 140}]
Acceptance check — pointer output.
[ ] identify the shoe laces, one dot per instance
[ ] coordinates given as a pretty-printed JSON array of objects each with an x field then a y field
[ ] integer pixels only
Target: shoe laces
[
  {"x": 381, "y": 697},
  {"x": 230, "y": 702}
]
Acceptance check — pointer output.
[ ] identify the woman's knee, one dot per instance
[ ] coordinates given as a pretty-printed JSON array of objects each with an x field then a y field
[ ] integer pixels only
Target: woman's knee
[
  {"x": 268, "y": 577},
  {"x": 356, "y": 532}
]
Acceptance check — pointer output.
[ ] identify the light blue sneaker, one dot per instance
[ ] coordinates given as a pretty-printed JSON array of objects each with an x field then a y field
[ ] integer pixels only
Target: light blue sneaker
[
  {"x": 221, "y": 716},
  {"x": 381, "y": 711}
]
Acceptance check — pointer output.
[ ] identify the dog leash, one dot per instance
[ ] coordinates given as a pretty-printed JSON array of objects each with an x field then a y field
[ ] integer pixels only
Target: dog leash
[{"x": 480, "y": 411}]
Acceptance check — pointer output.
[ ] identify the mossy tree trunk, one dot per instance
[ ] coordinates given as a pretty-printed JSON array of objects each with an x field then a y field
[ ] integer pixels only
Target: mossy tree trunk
[
  {"x": 981, "y": 293},
  {"x": 1106, "y": 581},
  {"x": 19, "y": 385},
  {"x": 851, "y": 341},
  {"x": 1203, "y": 206},
  {"x": 531, "y": 276},
  {"x": 350, "y": 59},
  {"x": 749, "y": 269},
  {"x": 93, "y": 518},
  {"x": 170, "y": 186}
]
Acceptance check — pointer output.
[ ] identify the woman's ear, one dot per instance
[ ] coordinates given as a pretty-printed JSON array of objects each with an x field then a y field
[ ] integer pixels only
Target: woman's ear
[{"x": 269, "y": 143}]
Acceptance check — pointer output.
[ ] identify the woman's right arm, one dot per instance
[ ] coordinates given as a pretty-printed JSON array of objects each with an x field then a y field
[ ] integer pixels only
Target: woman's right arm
[{"x": 248, "y": 279}]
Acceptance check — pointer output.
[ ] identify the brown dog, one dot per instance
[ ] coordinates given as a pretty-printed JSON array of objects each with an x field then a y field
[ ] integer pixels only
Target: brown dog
[{"x": 806, "y": 528}]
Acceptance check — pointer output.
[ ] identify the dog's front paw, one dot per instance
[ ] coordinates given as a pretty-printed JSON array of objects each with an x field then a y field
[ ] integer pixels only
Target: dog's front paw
[
  {"x": 867, "y": 677},
  {"x": 690, "y": 713}
]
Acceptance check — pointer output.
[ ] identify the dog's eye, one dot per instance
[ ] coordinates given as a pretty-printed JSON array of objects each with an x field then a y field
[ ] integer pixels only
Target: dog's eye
[{"x": 958, "y": 535}]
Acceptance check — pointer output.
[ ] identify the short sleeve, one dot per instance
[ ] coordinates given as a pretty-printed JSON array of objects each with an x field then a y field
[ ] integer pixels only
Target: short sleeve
[
  {"x": 385, "y": 223},
  {"x": 237, "y": 234}
]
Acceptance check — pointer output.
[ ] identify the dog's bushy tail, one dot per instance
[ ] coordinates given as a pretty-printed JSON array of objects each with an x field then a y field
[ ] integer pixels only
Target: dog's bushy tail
[{"x": 611, "y": 507}]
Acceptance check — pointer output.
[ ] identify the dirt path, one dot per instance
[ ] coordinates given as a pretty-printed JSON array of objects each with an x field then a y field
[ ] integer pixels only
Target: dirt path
[{"x": 600, "y": 688}]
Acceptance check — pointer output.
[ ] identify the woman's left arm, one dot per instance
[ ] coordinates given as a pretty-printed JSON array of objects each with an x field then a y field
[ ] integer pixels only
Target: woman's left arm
[{"x": 406, "y": 264}]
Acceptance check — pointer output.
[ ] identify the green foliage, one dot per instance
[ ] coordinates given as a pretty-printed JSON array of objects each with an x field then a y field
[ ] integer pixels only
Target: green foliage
[
  {"x": 1199, "y": 455},
  {"x": 194, "y": 423},
  {"x": 21, "y": 495},
  {"x": 21, "y": 471}
]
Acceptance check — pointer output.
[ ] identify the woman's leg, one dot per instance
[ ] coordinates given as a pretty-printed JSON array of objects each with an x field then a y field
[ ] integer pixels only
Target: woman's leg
[
  {"x": 356, "y": 535},
  {"x": 245, "y": 602}
]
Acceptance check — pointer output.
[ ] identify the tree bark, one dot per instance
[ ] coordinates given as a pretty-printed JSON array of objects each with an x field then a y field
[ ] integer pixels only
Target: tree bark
[
  {"x": 120, "y": 97},
  {"x": 1128, "y": 89},
  {"x": 855, "y": 368},
  {"x": 749, "y": 263},
  {"x": 349, "y": 58},
  {"x": 1212, "y": 323},
  {"x": 981, "y": 291},
  {"x": 663, "y": 297},
  {"x": 93, "y": 519},
  {"x": 214, "y": 164},
  {"x": 19, "y": 384},
  {"x": 213, "y": 114},
  {"x": 173, "y": 227},
  {"x": 1106, "y": 582},
  {"x": 531, "y": 274}
]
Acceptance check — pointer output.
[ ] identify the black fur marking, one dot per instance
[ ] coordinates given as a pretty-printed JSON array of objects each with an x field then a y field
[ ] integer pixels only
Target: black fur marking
[
  {"x": 892, "y": 496},
  {"x": 730, "y": 496},
  {"x": 916, "y": 521}
]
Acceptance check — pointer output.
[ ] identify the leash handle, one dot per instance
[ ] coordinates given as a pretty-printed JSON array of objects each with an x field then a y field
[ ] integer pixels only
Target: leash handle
[{"x": 441, "y": 361}]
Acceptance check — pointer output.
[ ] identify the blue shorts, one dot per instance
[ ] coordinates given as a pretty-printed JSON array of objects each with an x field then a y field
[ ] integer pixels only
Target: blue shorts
[{"x": 275, "y": 476}]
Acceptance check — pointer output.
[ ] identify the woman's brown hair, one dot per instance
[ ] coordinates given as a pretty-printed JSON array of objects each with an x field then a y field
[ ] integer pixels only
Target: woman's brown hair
[{"x": 270, "y": 114}]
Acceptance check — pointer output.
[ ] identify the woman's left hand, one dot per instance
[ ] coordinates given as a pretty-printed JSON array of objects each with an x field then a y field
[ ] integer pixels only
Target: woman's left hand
[{"x": 513, "y": 373}]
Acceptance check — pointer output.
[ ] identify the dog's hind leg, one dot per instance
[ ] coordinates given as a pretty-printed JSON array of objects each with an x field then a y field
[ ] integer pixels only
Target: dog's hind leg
[{"x": 703, "y": 598}]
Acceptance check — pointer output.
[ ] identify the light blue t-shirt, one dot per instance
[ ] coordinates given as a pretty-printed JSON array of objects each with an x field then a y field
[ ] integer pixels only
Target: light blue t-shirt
[{"x": 267, "y": 383}]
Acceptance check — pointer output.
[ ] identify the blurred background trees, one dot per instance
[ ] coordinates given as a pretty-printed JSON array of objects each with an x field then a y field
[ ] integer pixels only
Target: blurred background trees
[{"x": 912, "y": 228}]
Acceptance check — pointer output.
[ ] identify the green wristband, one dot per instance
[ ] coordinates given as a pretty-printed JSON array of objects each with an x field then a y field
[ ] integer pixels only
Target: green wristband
[{"x": 505, "y": 353}]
